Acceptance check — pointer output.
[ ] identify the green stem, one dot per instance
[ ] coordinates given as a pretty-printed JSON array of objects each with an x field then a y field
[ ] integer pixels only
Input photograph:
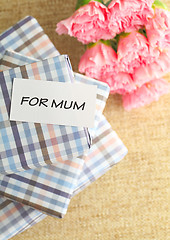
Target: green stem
[{"x": 81, "y": 3}]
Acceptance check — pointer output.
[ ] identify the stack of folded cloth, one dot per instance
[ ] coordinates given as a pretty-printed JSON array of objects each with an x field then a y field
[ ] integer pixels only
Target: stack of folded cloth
[{"x": 42, "y": 166}]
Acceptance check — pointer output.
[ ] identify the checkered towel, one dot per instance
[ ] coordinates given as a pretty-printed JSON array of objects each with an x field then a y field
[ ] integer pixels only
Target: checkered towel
[
  {"x": 30, "y": 145},
  {"x": 16, "y": 217}
]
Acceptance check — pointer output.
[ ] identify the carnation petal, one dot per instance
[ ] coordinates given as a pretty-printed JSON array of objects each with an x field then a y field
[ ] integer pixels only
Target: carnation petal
[
  {"x": 146, "y": 94},
  {"x": 134, "y": 51},
  {"x": 158, "y": 29},
  {"x": 88, "y": 24},
  {"x": 64, "y": 26},
  {"x": 126, "y": 16},
  {"x": 119, "y": 83},
  {"x": 157, "y": 69},
  {"x": 97, "y": 60}
]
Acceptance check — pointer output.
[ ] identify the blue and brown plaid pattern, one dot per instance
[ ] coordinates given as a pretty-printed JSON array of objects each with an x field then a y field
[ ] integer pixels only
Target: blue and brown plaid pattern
[
  {"x": 101, "y": 97},
  {"x": 28, "y": 38},
  {"x": 106, "y": 151},
  {"x": 12, "y": 58},
  {"x": 34, "y": 177},
  {"x": 47, "y": 189},
  {"x": 30, "y": 145},
  {"x": 16, "y": 218},
  {"x": 31, "y": 179},
  {"x": 94, "y": 167}
]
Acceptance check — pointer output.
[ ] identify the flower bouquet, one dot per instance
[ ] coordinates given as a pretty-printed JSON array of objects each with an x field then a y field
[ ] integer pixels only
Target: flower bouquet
[{"x": 127, "y": 46}]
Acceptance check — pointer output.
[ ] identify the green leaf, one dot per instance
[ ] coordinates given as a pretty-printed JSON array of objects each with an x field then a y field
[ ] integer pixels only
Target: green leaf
[
  {"x": 159, "y": 4},
  {"x": 90, "y": 45},
  {"x": 142, "y": 31},
  {"x": 106, "y": 42},
  {"x": 123, "y": 34},
  {"x": 107, "y": 3},
  {"x": 115, "y": 41},
  {"x": 114, "y": 44},
  {"x": 81, "y": 3}
]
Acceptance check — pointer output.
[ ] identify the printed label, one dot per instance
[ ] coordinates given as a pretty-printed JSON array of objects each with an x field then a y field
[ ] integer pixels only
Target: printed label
[{"x": 50, "y": 102}]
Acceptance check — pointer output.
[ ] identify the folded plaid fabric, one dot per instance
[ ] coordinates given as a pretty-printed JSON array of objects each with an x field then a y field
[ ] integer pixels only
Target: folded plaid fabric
[
  {"x": 47, "y": 189},
  {"x": 11, "y": 58},
  {"x": 28, "y": 38},
  {"x": 16, "y": 218},
  {"x": 106, "y": 151},
  {"x": 91, "y": 171},
  {"x": 29, "y": 145},
  {"x": 61, "y": 178}
]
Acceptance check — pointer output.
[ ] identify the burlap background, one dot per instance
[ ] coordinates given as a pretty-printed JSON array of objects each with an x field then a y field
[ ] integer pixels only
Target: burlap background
[{"x": 131, "y": 201}]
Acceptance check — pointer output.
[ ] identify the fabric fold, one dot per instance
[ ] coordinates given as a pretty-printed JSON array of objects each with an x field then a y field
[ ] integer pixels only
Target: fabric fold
[{"x": 94, "y": 165}]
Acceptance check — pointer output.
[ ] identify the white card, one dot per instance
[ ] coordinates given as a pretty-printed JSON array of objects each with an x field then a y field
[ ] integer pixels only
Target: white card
[{"x": 50, "y": 102}]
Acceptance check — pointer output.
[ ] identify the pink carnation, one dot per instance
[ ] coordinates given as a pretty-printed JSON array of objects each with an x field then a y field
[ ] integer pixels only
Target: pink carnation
[
  {"x": 146, "y": 94},
  {"x": 120, "y": 82},
  {"x": 157, "y": 69},
  {"x": 134, "y": 51},
  {"x": 88, "y": 24},
  {"x": 158, "y": 29},
  {"x": 98, "y": 60},
  {"x": 128, "y": 15}
]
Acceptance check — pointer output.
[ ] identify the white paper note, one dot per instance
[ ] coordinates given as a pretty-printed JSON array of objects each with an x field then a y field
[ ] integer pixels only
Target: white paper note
[{"x": 50, "y": 102}]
